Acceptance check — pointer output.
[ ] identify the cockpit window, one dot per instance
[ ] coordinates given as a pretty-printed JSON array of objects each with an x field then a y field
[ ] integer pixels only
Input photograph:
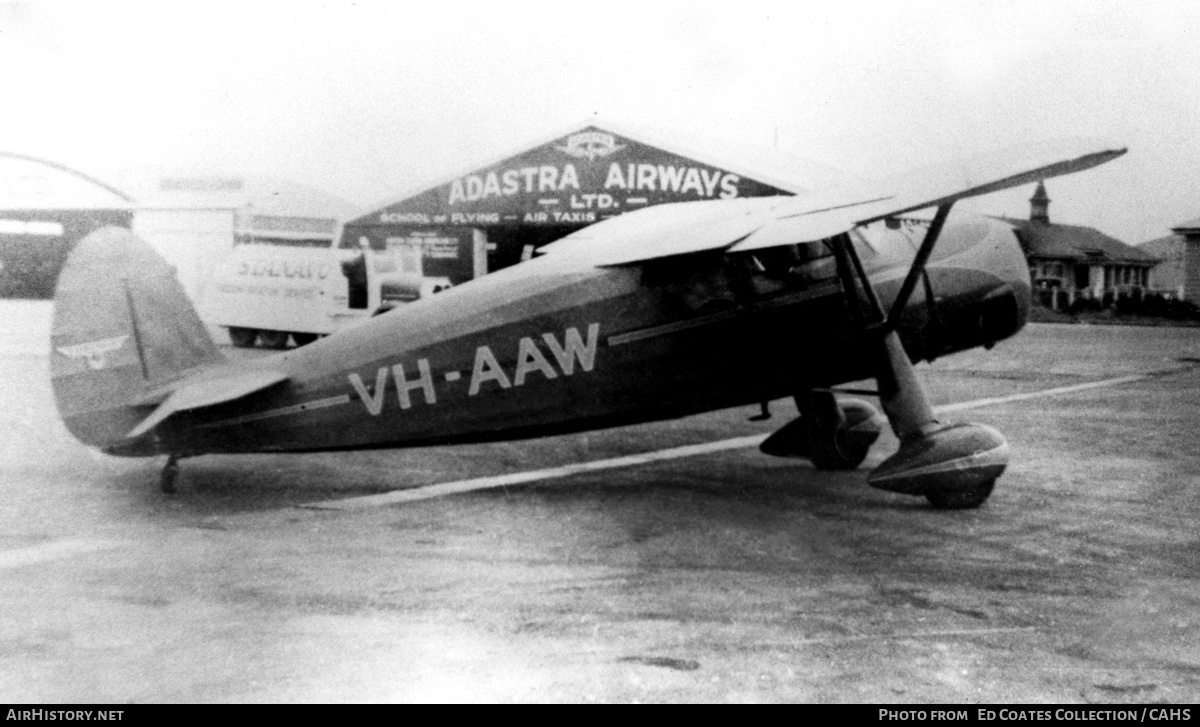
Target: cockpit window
[
  {"x": 786, "y": 263},
  {"x": 788, "y": 267}
]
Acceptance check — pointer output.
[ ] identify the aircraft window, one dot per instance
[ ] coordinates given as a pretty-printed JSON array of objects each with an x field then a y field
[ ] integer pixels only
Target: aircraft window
[
  {"x": 699, "y": 284},
  {"x": 807, "y": 262},
  {"x": 706, "y": 284}
]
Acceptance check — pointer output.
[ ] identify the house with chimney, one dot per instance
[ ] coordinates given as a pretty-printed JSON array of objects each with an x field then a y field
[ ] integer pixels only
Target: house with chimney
[{"x": 1069, "y": 263}]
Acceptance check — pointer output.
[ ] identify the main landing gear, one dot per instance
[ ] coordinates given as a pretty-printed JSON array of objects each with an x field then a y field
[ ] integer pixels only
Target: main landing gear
[
  {"x": 954, "y": 466},
  {"x": 834, "y": 435}
]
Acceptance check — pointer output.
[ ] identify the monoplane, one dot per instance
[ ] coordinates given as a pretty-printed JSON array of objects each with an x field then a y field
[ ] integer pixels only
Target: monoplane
[{"x": 655, "y": 314}]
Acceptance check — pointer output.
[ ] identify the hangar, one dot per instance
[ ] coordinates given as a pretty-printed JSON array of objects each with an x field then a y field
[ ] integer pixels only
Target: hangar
[
  {"x": 45, "y": 208},
  {"x": 533, "y": 196},
  {"x": 191, "y": 219}
]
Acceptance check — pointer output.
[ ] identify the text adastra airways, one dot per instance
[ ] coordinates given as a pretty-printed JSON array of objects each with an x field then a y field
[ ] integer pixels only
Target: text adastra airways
[{"x": 699, "y": 182}]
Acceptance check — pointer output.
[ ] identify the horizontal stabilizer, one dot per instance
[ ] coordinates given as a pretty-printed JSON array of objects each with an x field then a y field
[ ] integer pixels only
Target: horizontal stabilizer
[{"x": 207, "y": 392}]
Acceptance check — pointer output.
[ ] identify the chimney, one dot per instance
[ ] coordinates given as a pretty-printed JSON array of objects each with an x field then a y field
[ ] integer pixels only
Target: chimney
[{"x": 1039, "y": 205}]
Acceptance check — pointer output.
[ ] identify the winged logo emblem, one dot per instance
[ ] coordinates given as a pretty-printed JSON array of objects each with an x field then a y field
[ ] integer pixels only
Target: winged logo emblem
[
  {"x": 95, "y": 353},
  {"x": 590, "y": 145}
]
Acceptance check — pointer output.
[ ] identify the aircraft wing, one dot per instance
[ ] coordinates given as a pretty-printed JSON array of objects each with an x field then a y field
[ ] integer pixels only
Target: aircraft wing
[
  {"x": 749, "y": 224},
  {"x": 666, "y": 230},
  {"x": 207, "y": 391}
]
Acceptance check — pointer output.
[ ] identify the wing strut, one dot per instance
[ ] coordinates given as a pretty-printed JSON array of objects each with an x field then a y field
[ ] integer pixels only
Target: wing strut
[
  {"x": 918, "y": 267},
  {"x": 853, "y": 277},
  {"x": 848, "y": 267},
  {"x": 952, "y": 465},
  {"x": 847, "y": 259}
]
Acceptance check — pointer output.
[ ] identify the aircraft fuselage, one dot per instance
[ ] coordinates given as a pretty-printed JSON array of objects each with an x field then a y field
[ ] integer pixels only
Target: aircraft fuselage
[{"x": 545, "y": 348}]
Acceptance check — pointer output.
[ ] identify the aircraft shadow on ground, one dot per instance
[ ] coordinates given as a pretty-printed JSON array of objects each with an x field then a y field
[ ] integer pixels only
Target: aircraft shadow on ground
[{"x": 230, "y": 484}]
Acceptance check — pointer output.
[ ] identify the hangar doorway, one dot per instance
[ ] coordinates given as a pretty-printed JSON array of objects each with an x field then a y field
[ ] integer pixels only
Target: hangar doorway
[
  {"x": 511, "y": 245},
  {"x": 45, "y": 210},
  {"x": 34, "y": 244}
]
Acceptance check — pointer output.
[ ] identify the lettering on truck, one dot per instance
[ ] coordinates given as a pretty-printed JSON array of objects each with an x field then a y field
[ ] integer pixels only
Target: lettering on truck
[
  {"x": 283, "y": 268},
  {"x": 487, "y": 374}
]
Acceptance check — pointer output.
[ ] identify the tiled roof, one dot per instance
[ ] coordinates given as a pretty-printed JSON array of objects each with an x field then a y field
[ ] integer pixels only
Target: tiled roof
[{"x": 1075, "y": 242}]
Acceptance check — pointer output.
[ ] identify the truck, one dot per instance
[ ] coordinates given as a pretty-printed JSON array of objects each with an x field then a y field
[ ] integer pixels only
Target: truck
[{"x": 271, "y": 293}]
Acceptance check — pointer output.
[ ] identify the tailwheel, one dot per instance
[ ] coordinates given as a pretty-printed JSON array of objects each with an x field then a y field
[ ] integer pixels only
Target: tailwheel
[
  {"x": 170, "y": 473},
  {"x": 965, "y": 499}
]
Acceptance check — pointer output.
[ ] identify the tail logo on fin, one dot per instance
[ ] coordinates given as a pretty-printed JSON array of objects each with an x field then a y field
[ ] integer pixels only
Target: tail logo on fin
[{"x": 95, "y": 352}]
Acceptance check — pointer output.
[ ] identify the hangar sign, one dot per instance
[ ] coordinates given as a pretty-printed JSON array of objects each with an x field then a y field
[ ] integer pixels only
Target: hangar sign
[{"x": 578, "y": 179}]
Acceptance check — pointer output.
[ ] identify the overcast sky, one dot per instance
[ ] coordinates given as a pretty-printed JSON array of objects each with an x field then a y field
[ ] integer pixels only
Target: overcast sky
[{"x": 368, "y": 100}]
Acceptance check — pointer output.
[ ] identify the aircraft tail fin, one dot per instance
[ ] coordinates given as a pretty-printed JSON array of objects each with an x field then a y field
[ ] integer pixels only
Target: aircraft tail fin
[{"x": 123, "y": 326}]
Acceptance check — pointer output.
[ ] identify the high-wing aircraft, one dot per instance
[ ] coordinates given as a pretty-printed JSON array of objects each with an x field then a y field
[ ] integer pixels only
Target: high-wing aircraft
[{"x": 655, "y": 314}]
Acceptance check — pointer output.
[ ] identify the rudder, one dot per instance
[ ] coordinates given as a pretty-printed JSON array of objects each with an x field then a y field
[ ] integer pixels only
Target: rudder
[{"x": 123, "y": 326}]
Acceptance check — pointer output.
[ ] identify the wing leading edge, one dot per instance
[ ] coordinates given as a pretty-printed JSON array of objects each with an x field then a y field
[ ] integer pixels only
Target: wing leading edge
[{"x": 750, "y": 224}]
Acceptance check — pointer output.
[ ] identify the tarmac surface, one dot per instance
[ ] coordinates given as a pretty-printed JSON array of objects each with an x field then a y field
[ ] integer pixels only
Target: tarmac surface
[{"x": 727, "y": 576}]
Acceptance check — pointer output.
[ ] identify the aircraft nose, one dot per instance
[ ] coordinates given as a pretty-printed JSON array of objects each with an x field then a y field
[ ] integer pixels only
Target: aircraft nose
[{"x": 981, "y": 280}]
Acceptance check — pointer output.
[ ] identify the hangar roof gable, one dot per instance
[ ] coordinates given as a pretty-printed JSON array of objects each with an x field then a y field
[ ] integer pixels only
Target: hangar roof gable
[
  {"x": 577, "y": 177},
  {"x": 28, "y": 183}
]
